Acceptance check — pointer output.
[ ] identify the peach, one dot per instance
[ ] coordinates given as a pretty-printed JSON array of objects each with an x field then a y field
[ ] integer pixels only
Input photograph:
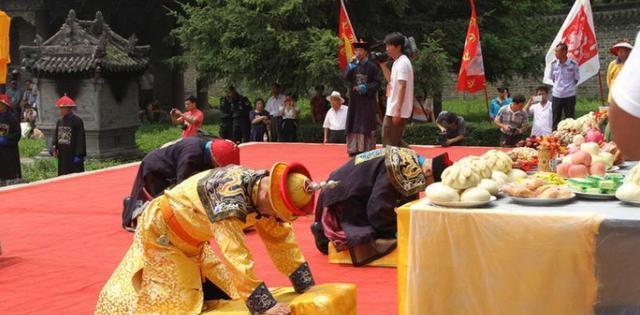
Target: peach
[
  {"x": 578, "y": 171},
  {"x": 598, "y": 168},
  {"x": 581, "y": 157},
  {"x": 563, "y": 169}
]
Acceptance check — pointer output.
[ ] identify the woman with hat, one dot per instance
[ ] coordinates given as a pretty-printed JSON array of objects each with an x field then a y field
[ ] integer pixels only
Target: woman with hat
[
  {"x": 364, "y": 82},
  {"x": 172, "y": 164},
  {"x": 335, "y": 120},
  {"x": 621, "y": 50},
  {"x": 358, "y": 215},
  {"x": 10, "y": 171},
  {"x": 69, "y": 144},
  {"x": 170, "y": 267}
]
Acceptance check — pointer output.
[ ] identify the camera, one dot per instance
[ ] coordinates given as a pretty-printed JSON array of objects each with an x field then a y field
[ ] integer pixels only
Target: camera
[{"x": 409, "y": 48}]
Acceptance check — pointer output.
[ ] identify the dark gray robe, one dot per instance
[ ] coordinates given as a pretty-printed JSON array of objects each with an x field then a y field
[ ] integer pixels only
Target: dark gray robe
[
  {"x": 165, "y": 167},
  {"x": 69, "y": 140}
]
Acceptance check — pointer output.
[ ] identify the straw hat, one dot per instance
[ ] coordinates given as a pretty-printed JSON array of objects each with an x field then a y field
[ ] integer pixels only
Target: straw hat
[
  {"x": 337, "y": 95},
  {"x": 618, "y": 45}
]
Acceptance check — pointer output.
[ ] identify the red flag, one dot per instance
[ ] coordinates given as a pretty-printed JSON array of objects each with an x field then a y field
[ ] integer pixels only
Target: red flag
[
  {"x": 578, "y": 32},
  {"x": 347, "y": 37},
  {"x": 471, "y": 77}
]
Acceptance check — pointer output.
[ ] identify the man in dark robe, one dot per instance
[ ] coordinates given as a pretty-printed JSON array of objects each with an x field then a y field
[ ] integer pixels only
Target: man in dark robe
[
  {"x": 359, "y": 214},
  {"x": 10, "y": 172},
  {"x": 170, "y": 165},
  {"x": 364, "y": 83},
  {"x": 239, "y": 107},
  {"x": 69, "y": 143}
]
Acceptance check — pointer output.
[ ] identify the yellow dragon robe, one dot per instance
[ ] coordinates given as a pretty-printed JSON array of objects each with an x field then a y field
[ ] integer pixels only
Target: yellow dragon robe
[{"x": 164, "y": 270}]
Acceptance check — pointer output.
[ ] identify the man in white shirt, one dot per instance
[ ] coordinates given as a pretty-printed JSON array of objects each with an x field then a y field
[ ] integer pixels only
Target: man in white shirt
[
  {"x": 624, "y": 111},
  {"x": 274, "y": 103},
  {"x": 542, "y": 111},
  {"x": 400, "y": 91},
  {"x": 336, "y": 120}
]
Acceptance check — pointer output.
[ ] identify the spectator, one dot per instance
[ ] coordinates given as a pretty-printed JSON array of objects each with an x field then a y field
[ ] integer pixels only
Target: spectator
[
  {"x": 400, "y": 95},
  {"x": 30, "y": 96},
  {"x": 335, "y": 120},
  {"x": 625, "y": 106},
  {"x": 503, "y": 99},
  {"x": 69, "y": 144},
  {"x": 29, "y": 117},
  {"x": 239, "y": 107},
  {"x": 452, "y": 129},
  {"x": 621, "y": 50},
  {"x": 289, "y": 113},
  {"x": 319, "y": 105},
  {"x": 274, "y": 103},
  {"x": 512, "y": 121},
  {"x": 260, "y": 121},
  {"x": 565, "y": 74},
  {"x": 540, "y": 108},
  {"x": 10, "y": 172},
  {"x": 364, "y": 83},
  {"x": 146, "y": 82},
  {"x": 15, "y": 97},
  {"x": 423, "y": 109},
  {"x": 191, "y": 120}
]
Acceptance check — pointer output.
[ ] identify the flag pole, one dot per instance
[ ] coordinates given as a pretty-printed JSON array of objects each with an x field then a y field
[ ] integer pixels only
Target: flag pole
[
  {"x": 601, "y": 89},
  {"x": 486, "y": 100}
]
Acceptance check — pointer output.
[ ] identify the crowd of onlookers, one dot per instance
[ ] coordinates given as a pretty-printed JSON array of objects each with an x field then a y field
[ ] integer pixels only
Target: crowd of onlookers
[{"x": 23, "y": 99}]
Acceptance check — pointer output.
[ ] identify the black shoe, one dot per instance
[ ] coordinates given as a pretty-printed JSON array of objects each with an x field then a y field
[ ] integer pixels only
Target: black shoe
[{"x": 322, "y": 242}]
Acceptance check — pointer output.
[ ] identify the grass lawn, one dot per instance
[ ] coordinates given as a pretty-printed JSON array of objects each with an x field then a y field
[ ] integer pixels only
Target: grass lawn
[{"x": 151, "y": 136}]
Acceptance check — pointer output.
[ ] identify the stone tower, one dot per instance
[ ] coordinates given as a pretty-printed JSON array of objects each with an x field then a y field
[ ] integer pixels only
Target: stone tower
[{"x": 99, "y": 69}]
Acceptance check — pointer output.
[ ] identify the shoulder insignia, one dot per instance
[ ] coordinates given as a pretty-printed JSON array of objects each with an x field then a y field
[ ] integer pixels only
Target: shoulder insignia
[
  {"x": 225, "y": 192},
  {"x": 404, "y": 170}
]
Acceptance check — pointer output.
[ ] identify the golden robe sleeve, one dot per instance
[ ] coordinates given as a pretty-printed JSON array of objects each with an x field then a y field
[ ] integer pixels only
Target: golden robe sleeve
[
  {"x": 284, "y": 251},
  {"x": 229, "y": 236}
]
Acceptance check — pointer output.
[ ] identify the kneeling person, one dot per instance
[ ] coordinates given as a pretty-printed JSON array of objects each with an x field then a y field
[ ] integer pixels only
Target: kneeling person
[
  {"x": 170, "y": 165},
  {"x": 359, "y": 213},
  {"x": 170, "y": 267}
]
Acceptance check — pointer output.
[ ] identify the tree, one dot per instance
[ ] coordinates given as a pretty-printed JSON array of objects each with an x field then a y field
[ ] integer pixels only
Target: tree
[
  {"x": 294, "y": 41},
  {"x": 259, "y": 42}
]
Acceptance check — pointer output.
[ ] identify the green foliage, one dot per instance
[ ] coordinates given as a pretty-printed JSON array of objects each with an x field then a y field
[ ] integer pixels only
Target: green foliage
[
  {"x": 153, "y": 136},
  {"x": 259, "y": 42},
  {"x": 39, "y": 170},
  {"x": 432, "y": 64},
  {"x": 30, "y": 147}
]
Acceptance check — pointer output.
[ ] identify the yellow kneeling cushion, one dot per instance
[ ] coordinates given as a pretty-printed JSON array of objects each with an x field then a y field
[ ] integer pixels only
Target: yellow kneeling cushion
[
  {"x": 343, "y": 258},
  {"x": 325, "y": 299}
]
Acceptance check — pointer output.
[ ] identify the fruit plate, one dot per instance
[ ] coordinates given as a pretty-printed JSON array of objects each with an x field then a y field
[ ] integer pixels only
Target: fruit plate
[
  {"x": 542, "y": 201},
  {"x": 463, "y": 204},
  {"x": 592, "y": 196}
]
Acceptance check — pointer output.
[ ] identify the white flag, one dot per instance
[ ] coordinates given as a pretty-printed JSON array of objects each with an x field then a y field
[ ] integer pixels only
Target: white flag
[{"x": 579, "y": 34}]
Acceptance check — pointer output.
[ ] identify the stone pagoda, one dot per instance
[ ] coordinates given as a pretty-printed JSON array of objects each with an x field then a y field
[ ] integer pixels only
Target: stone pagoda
[{"x": 99, "y": 69}]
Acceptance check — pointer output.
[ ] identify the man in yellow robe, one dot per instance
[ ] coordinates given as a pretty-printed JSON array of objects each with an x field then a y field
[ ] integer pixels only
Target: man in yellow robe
[{"x": 170, "y": 267}]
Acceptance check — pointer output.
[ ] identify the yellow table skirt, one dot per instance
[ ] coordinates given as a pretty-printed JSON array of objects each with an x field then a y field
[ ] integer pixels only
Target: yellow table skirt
[
  {"x": 322, "y": 299},
  {"x": 490, "y": 261},
  {"x": 343, "y": 258}
]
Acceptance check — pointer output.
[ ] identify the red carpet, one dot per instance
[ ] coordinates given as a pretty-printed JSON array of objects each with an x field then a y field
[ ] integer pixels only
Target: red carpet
[{"x": 62, "y": 239}]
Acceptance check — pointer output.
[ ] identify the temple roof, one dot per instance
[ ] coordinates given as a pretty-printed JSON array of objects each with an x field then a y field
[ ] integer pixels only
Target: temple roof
[{"x": 85, "y": 47}]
